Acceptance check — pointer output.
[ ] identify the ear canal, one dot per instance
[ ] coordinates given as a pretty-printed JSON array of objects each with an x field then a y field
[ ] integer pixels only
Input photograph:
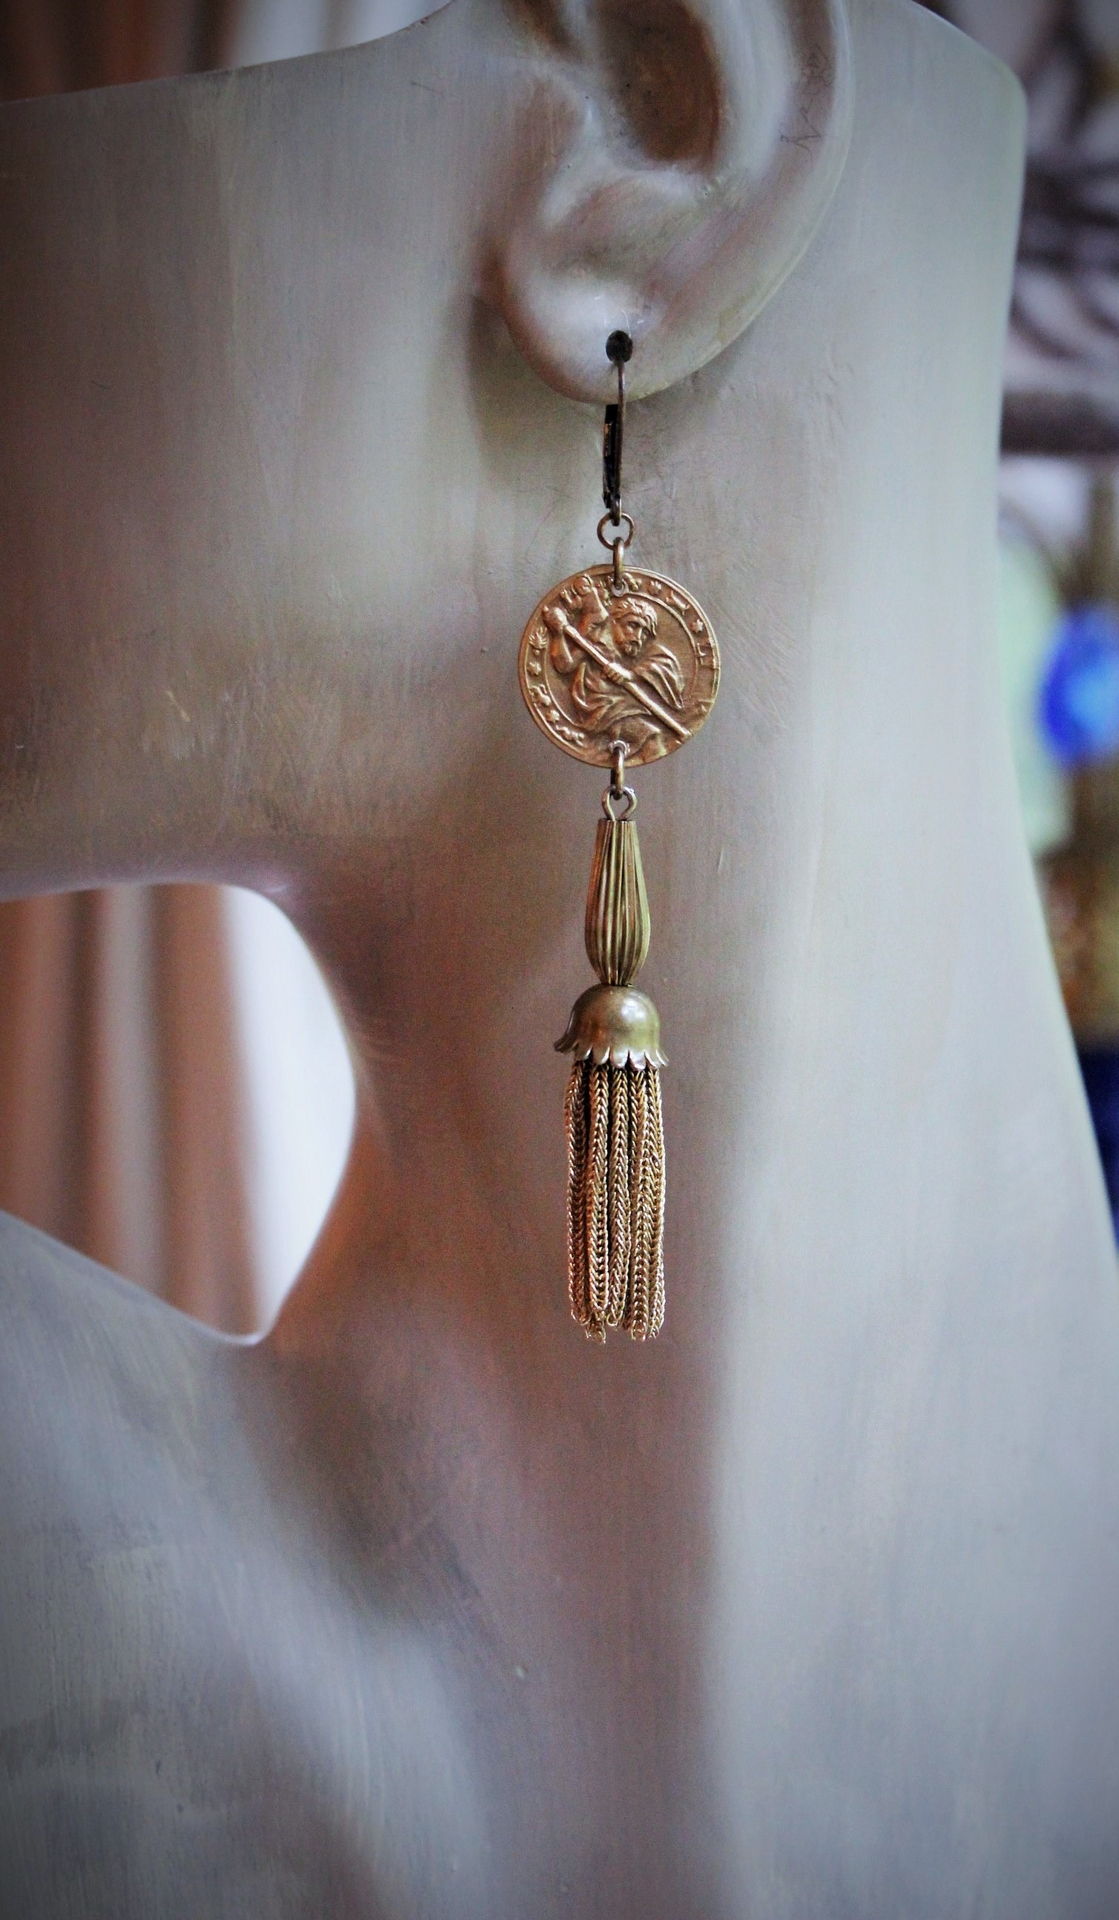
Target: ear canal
[
  {"x": 550, "y": 20},
  {"x": 693, "y": 147},
  {"x": 660, "y": 69}
]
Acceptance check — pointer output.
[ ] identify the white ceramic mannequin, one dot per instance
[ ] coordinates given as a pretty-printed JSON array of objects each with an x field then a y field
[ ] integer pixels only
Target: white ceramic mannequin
[{"x": 423, "y": 1606}]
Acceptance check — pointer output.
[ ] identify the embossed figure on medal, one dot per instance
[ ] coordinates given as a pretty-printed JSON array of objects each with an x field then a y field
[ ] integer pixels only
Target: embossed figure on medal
[{"x": 619, "y": 667}]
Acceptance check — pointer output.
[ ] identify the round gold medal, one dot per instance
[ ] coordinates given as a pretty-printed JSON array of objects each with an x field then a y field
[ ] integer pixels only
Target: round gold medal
[{"x": 602, "y": 666}]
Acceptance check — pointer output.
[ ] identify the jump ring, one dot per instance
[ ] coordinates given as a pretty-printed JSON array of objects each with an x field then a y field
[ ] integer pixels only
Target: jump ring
[{"x": 608, "y": 520}]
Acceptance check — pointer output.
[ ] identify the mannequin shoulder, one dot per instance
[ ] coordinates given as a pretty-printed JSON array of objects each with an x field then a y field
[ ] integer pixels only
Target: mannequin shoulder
[
  {"x": 923, "y": 46},
  {"x": 85, "y": 1357},
  {"x": 49, "y": 1291}
]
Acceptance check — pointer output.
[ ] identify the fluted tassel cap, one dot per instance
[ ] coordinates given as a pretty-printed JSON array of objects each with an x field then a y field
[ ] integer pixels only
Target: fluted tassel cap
[{"x": 617, "y": 925}]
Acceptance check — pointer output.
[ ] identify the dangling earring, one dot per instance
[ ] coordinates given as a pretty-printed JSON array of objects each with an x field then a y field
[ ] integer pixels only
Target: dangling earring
[{"x": 618, "y": 668}]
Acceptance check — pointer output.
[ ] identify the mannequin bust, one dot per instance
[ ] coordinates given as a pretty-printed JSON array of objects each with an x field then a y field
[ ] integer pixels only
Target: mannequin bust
[{"x": 421, "y": 1605}]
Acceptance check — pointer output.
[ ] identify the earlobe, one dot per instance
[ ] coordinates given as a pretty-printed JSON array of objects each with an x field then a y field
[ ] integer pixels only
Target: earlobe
[{"x": 701, "y": 143}]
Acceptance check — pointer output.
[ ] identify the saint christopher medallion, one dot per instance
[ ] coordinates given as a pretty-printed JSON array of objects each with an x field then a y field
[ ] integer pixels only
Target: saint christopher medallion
[{"x": 601, "y": 666}]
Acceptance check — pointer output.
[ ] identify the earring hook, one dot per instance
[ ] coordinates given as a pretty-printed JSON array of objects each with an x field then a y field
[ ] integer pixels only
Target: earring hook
[{"x": 619, "y": 348}]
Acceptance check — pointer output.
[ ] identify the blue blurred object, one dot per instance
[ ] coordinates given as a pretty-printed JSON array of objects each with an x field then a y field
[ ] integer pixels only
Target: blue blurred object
[
  {"x": 1100, "y": 1068},
  {"x": 1078, "y": 705}
]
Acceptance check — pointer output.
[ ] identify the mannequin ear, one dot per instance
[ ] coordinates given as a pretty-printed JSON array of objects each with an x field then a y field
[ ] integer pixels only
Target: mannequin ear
[{"x": 679, "y": 156}]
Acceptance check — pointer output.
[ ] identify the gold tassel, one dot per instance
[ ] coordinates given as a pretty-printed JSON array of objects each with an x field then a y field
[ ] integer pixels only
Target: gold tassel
[{"x": 615, "y": 1140}]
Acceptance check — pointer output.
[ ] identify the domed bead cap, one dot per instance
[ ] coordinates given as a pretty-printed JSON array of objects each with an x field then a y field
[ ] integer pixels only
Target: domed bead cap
[{"x": 615, "y": 1026}]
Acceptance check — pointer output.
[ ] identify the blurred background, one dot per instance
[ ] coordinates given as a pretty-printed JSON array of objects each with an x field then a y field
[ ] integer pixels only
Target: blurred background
[{"x": 175, "y": 1093}]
